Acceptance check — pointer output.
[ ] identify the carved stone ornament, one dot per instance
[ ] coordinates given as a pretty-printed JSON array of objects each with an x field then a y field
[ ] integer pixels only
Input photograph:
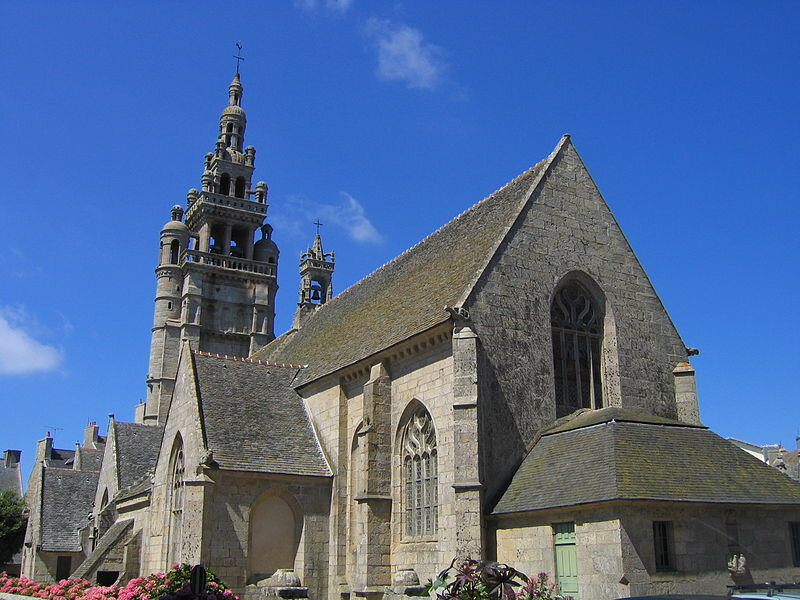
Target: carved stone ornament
[{"x": 458, "y": 313}]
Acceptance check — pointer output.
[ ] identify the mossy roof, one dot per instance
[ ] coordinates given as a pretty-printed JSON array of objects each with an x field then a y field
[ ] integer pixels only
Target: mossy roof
[
  {"x": 407, "y": 295},
  {"x": 605, "y": 458}
]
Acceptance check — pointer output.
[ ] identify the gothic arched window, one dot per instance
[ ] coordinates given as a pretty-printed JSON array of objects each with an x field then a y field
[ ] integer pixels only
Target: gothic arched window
[
  {"x": 420, "y": 475},
  {"x": 176, "y": 491},
  {"x": 577, "y": 339}
]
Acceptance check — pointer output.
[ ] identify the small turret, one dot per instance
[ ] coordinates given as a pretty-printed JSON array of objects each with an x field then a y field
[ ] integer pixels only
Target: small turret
[
  {"x": 265, "y": 250},
  {"x": 232, "y": 121},
  {"x": 174, "y": 238},
  {"x": 316, "y": 280}
]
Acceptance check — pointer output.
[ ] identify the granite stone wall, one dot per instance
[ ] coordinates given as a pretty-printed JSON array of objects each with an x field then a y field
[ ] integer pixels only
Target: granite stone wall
[
  {"x": 616, "y": 552},
  {"x": 420, "y": 372},
  {"x": 566, "y": 230}
]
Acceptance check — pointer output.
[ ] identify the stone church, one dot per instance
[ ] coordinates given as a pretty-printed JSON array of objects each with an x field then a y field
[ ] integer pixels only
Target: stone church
[{"x": 511, "y": 387}]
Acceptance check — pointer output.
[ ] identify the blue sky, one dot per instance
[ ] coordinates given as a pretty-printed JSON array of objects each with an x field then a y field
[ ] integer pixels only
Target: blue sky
[{"x": 385, "y": 120}]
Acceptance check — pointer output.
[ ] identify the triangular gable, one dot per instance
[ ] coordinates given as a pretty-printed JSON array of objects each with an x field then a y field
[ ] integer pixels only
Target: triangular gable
[
  {"x": 184, "y": 417},
  {"x": 407, "y": 295}
]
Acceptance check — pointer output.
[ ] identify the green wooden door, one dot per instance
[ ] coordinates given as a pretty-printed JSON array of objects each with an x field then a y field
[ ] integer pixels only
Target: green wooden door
[{"x": 566, "y": 559}]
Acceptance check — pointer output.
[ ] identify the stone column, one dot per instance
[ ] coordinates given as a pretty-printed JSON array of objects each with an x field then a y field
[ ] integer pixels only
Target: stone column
[
  {"x": 466, "y": 481},
  {"x": 374, "y": 500},
  {"x": 205, "y": 236},
  {"x": 226, "y": 239},
  {"x": 248, "y": 249}
]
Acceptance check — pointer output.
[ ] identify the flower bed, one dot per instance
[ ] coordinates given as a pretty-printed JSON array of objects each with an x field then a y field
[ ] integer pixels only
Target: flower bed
[
  {"x": 484, "y": 580},
  {"x": 172, "y": 585}
]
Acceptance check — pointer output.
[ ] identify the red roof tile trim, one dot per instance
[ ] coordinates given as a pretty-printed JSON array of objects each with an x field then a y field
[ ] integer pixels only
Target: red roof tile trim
[{"x": 250, "y": 360}]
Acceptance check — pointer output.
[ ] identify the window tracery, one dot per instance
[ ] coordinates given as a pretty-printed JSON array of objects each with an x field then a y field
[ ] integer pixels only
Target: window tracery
[
  {"x": 177, "y": 485},
  {"x": 420, "y": 476},
  {"x": 577, "y": 328}
]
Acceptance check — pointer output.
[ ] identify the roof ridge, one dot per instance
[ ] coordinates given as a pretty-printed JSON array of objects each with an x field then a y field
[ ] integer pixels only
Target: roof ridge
[
  {"x": 249, "y": 360},
  {"x": 407, "y": 251},
  {"x": 130, "y": 423},
  {"x": 72, "y": 470},
  {"x": 542, "y": 166}
]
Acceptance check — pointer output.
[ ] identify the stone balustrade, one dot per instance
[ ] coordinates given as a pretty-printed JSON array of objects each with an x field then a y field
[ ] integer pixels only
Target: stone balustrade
[{"x": 228, "y": 262}]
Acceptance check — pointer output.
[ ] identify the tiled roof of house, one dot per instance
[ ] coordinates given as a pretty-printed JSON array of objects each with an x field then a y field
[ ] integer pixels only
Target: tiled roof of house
[
  {"x": 67, "y": 497},
  {"x": 137, "y": 450},
  {"x": 407, "y": 295},
  {"x": 60, "y": 458},
  {"x": 90, "y": 459},
  {"x": 613, "y": 455},
  {"x": 253, "y": 420}
]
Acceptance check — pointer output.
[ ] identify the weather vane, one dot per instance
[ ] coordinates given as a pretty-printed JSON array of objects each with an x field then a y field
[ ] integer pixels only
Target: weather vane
[
  {"x": 318, "y": 224},
  {"x": 238, "y": 55}
]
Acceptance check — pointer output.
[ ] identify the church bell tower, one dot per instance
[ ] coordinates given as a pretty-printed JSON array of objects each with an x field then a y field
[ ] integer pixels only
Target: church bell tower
[
  {"x": 215, "y": 286},
  {"x": 316, "y": 285}
]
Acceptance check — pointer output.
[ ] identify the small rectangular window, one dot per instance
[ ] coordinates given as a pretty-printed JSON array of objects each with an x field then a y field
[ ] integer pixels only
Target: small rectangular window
[
  {"x": 662, "y": 544},
  {"x": 63, "y": 567},
  {"x": 794, "y": 533}
]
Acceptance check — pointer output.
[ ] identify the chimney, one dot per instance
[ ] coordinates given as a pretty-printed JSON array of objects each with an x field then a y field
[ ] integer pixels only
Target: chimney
[
  {"x": 90, "y": 435},
  {"x": 11, "y": 458}
]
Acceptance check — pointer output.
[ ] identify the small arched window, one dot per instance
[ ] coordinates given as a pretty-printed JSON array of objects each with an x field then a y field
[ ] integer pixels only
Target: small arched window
[
  {"x": 174, "y": 250},
  {"x": 176, "y": 492},
  {"x": 225, "y": 184},
  {"x": 240, "y": 187},
  {"x": 420, "y": 476},
  {"x": 577, "y": 327}
]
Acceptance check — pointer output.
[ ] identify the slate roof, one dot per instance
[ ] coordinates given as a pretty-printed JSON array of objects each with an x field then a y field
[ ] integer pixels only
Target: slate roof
[
  {"x": 67, "y": 497},
  {"x": 629, "y": 459},
  {"x": 253, "y": 420},
  {"x": 60, "y": 458},
  {"x": 137, "y": 450},
  {"x": 140, "y": 487},
  {"x": 407, "y": 295},
  {"x": 91, "y": 459}
]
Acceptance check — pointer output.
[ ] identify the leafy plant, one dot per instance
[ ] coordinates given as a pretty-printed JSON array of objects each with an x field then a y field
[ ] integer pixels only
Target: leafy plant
[
  {"x": 12, "y": 524},
  {"x": 484, "y": 580}
]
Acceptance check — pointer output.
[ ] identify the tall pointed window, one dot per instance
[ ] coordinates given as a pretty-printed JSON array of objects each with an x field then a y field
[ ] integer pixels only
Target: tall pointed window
[
  {"x": 420, "y": 476},
  {"x": 177, "y": 484},
  {"x": 577, "y": 339}
]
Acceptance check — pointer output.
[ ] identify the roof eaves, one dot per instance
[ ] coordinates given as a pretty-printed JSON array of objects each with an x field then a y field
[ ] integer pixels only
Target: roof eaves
[{"x": 387, "y": 350}]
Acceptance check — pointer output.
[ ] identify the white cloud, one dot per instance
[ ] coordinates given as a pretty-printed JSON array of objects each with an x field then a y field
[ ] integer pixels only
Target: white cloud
[
  {"x": 340, "y": 6},
  {"x": 297, "y": 213},
  {"x": 354, "y": 219},
  {"x": 403, "y": 55},
  {"x": 19, "y": 352}
]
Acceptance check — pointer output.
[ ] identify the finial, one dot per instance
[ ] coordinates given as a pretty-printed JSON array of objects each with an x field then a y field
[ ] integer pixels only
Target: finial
[
  {"x": 318, "y": 224},
  {"x": 238, "y": 55}
]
